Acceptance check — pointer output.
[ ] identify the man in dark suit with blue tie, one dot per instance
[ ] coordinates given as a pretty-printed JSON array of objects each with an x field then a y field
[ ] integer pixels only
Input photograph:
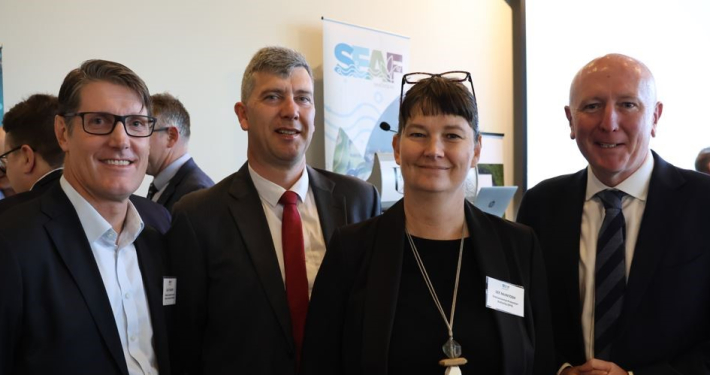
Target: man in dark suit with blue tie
[
  {"x": 175, "y": 172},
  {"x": 243, "y": 287},
  {"x": 626, "y": 240},
  {"x": 81, "y": 276}
]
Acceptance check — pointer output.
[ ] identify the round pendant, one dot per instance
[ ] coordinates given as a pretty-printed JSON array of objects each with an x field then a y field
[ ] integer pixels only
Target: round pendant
[{"x": 452, "y": 349}]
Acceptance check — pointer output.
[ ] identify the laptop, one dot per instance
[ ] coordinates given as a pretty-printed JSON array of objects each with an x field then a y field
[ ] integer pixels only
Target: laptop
[{"x": 495, "y": 199}]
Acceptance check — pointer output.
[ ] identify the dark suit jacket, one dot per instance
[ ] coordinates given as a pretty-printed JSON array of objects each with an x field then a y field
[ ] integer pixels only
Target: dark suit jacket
[
  {"x": 153, "y": 214},
  {"x": 38, "y": 189},
  {"x": 665, "y": 321},
  {"x": 232, "y": 312},
  {"x": 55, "y": 316},
  {"x": 187, "y": 179},
  {"x": 353, "y": 303}
]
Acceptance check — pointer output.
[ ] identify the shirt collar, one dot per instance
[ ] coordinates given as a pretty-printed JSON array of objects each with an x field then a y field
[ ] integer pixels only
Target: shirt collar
[
  {"x": 272, "y": 192},
  {"x": 162, "y": 179},
  {"x": 95, "y": 226},
  {"x": 635, "y": 185},
  {"x": 45, "y": 175}
]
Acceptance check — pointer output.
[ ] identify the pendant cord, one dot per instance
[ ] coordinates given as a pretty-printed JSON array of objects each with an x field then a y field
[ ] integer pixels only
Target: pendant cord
[{"x": 449, "y": 322}]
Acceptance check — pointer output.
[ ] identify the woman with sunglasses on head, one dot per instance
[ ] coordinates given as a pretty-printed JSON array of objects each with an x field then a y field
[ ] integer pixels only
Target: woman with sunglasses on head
[{"x": 434, "y": 285}]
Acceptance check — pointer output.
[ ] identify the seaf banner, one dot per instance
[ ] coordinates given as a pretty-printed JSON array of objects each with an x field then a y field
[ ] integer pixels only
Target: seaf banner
[{"x": 362, "y": 74}]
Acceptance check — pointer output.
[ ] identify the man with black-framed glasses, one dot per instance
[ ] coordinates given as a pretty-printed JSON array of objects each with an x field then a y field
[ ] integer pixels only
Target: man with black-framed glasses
[{"x": 80, "y": 274}]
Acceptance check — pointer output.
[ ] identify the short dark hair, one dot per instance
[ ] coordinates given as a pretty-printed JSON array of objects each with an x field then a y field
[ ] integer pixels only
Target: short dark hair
[
  {"x": 276, "y": 60},
  {"x": 701, "y": 163},
  {"x": 31, "y": 122},
  {"x": 170, "y": 111},
  {"x": 97, "y": 71},
  {"x": 439, "y": 96}
]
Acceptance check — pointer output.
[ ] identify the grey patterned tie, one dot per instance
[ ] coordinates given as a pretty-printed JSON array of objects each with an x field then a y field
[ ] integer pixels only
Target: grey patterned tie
[
  {"x": 610, "y": 271},
  {"x": 151, "y": 191}
]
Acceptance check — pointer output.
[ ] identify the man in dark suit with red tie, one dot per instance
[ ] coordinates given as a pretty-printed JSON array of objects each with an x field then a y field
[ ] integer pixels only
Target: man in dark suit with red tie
[
  {"x": 81, "y": 276},
  {"x": 246, "y": 251},
  {"x": 175, "y": 172},
  {"x": 626, "y": 240}
]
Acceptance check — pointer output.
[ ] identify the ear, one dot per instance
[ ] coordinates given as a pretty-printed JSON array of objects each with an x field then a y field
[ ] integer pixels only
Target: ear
[
  {"x": 395, "y": 147},
  {"x": 476, "y": 151},
  {"x": 61, "y": 131},
  {"x": 568, "y": 113},
  {"x": 657, "y": 112},
  {"x": 27, "y": 160},
  {"x": 173, "y": 136},
  {"x": 241, "y": 110}
]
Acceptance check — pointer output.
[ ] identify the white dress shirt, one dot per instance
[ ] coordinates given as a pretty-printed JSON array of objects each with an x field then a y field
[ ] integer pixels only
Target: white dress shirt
[
  {"x": 163, "y": 178},
  {"x": 117, "y": 261},
  {"x": 313, "y": 241},
  {"x": 633, "y": 205}
]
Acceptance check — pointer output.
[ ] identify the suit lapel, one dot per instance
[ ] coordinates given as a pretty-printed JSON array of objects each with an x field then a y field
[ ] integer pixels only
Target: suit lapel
[
  {"x": 149, "y": 247},
  {"x": 249, "y": 217},
  {"x": 382, "y": 290},
  {"x": 653, "y": 237},
  {"x": 491, "y": 260},
  {"x": 66, "y": 232},
  {"x": 175, "y": 181},
  {"x": 568, "y": 230},
  {"x": 331, "y": 207}
]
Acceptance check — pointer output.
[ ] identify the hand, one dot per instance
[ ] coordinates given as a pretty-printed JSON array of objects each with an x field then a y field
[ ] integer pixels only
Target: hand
[{"x": 595, "y": 367}]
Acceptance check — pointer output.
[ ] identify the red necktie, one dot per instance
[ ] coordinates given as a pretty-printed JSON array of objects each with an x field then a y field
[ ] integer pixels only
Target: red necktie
[{"x": 295, "y": 265}]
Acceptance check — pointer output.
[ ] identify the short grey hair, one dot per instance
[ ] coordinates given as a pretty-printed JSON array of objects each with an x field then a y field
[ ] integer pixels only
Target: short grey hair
[
  {"x": 170, "y": 111},
  {"x": 275, "y": 60}
]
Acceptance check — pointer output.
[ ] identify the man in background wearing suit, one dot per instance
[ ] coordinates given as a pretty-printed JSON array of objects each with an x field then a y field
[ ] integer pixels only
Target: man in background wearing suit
[
  {"x": 702, "y": 162},
  {"x": 80, "y": 276},
  {"x": 243, "y": 292},
  {"x": 34, "y": 160},
  {"x": 5, "y": 188},
  {"x": 625, "y": 240},
  {"x": 176, "y": 174}
]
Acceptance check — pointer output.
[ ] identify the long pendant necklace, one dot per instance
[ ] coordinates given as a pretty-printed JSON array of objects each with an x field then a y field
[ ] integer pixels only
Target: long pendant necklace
[{"x": 451, "y": 348}]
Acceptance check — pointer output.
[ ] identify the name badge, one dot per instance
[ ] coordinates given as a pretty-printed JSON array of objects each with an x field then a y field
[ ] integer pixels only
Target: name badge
[
  {"x": 169, "y": 290},
  {"x": 505, "y": 297}
]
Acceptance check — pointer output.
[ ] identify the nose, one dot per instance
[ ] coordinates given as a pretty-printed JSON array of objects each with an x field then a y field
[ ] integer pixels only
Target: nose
[
  {"x": 610, "y": 119},
  {"x": 434, "y": 148},
  {"x": 119, "y": 136},
  {"x": 289, "y": 108}
]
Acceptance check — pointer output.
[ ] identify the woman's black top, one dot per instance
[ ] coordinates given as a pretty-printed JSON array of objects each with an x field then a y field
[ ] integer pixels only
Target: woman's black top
[{"x": 419, "y": 331}]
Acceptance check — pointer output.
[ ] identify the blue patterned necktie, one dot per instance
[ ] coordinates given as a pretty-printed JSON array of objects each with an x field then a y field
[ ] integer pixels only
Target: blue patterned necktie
[{"x": 610, "y": 273}]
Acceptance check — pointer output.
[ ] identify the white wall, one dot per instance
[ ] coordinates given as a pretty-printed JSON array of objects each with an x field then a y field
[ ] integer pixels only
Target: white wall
[
  {"x": 670, "y": 37},
  {"x": 198, "y": 51}
]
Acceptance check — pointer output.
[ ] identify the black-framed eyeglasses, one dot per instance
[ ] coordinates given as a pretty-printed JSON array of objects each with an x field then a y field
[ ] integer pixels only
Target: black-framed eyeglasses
[
  {"x": 3, "y": 158},
  {"x": 103, "y": 123},
  {"x": 161, "y": 129},
  {"x": 454, "y": 76}
]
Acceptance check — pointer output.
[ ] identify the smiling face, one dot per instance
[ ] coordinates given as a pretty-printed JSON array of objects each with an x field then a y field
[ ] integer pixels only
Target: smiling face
[
  {"x": 109, "y": 167},
  {"x": 279, "y": 118},
  {"x": 612, "y": 115},
  {"x": 436, "y": 153}
]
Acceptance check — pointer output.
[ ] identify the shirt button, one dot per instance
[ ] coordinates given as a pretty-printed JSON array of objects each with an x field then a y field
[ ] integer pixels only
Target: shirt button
[
  {"x": 133, "y": 338},
  {"x": 127, "y": 295}
]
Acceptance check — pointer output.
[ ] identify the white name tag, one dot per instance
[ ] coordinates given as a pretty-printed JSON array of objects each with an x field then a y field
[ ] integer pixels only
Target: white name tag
[
  {"x": 169, "y": 290},
  {"x": 505, "y": 297}
]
